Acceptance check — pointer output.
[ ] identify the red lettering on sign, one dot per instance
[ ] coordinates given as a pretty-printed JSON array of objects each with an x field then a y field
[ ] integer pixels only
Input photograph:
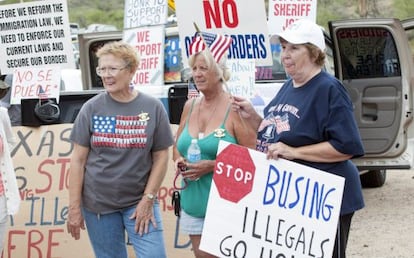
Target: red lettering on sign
[
  {"x": 143, "y": 36},
  {"x": 234, "y": 173},
  {"x": 38, "y": 243},
  {"x": 217, "y": 14}
]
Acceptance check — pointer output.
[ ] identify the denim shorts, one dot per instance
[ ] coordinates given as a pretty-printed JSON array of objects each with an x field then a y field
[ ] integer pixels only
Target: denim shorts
[
  {"x": 191, "y": 225},
  {"x": 107, "y": 234}
]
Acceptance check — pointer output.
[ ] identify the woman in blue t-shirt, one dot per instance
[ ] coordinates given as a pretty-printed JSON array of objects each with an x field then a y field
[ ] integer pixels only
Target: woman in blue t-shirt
[{"x": 310, "y": 120}]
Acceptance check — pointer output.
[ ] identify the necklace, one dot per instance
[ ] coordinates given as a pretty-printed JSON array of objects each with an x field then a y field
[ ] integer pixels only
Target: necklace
[{"x": 201, "y": 131}]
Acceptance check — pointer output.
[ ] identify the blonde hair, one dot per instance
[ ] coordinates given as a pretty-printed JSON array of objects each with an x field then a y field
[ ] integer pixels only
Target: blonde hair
[
  {"x": 122, "y": 50},
  {"x": 221, "y": 68}
]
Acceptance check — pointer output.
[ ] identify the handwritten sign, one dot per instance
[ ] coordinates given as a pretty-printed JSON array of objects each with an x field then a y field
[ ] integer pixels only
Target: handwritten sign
[
  {"x": 242, "y": 78},
  {"x": 42, "y": 164},
  {"x": 282, "y": 13},
  {"x": 285, "y": 209},
  {"x": 35, "y": 83},
  {"x": 35, "y": 34},
  {"x": 149, "y": 42},
  {"x": 243, "y": 20},
  {"x": 144, "y": 13}
]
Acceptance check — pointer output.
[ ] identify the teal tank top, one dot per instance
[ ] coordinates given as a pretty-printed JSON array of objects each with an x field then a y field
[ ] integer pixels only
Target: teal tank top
[{"x": 195, "y": 196}]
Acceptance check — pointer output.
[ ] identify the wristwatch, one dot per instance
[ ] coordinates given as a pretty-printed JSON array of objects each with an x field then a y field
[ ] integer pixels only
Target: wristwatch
[{"x": 150, "y": 196}]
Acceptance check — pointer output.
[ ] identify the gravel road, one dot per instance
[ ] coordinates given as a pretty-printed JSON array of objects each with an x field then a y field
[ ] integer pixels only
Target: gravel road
[{"x": 385, "y": 227}]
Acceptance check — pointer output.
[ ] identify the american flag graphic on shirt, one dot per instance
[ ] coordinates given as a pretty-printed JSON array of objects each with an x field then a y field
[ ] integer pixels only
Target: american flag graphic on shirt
[
  {"x": 217, "y": 44},
  {"x": 119, "y": 131},
  {"x": 282, "y": 123}
]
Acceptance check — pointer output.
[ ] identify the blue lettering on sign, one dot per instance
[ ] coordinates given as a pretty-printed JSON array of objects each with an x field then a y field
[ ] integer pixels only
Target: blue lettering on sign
[
  {"x": 291, "y": 192},
  {"x": 243, "y": 46}
]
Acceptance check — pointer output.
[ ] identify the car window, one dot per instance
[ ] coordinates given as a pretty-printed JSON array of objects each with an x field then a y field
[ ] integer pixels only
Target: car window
[
  {"x": 275, "y": 71},
  {"x": 410, "y": 35},
  {"x": 367, "y": 53}
]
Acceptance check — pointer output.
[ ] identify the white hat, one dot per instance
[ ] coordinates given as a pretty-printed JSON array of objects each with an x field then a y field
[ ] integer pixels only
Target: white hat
[{"x": 304, "y": 31}]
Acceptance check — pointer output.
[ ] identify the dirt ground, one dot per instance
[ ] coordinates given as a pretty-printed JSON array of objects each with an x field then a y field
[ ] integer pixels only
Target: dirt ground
[{"x": 385, "y": 227}]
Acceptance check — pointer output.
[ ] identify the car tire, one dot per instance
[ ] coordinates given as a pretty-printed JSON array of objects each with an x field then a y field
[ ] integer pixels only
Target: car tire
[{"x": 373, "y": 178}]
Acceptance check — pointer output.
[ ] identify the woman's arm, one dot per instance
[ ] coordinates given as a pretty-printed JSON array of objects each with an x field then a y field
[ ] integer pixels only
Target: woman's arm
[
  {"x": 247, "y": 113},
  {"x": 76, "y": 176},
  {"x": 183, "y": 120},
  {"x": 320, "y": 152},
  {"x": 245, "y": 135}
]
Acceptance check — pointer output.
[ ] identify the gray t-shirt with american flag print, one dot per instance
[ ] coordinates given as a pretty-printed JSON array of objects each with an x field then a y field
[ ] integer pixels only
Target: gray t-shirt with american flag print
[{"x": 120, "y": 138}]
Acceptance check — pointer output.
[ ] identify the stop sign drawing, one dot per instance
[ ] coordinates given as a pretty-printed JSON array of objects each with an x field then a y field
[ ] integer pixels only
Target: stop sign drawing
[{"x": 234, "y": 173}]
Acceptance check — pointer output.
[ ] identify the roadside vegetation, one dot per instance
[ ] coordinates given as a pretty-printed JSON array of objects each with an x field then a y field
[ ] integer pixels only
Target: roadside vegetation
[{"x": 111, "y": 12}]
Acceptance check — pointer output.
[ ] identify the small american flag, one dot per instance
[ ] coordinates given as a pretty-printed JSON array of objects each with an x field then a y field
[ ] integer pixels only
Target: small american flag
[
  {"x": 192, "y": 91},
  {"x": 282, "y": 123},
  {"x": 218, "y": 44},
  {"x": 42, "y": 94}
]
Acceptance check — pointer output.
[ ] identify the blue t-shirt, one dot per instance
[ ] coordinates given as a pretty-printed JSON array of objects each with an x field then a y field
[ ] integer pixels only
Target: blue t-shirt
[{"x": 319, "y": 111}]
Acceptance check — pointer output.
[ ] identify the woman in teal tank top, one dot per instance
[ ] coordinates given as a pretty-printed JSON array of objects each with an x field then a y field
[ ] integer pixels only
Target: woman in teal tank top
[{"x": 207, "y": 118}]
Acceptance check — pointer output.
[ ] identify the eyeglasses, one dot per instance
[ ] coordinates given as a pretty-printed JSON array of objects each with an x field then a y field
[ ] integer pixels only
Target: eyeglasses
[{"x": 112, "y": 71}]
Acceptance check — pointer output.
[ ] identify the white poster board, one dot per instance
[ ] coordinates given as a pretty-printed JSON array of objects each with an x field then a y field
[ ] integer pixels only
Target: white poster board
[
  {"x": 149, "y": 42},
  {"x": 267, "y": 208},
  {"x": 243, "y": 20},
  {"x": 35, "y": 34},
  {"x": 32, "y": 83},
  {"x": 144, "y": 13},
  {"x": 242, "y": 77},
  {"x": 283, "y": 13}
]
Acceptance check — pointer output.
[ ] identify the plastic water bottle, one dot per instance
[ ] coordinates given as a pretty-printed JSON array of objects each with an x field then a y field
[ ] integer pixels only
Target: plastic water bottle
[{"x": 193, "y": 152}]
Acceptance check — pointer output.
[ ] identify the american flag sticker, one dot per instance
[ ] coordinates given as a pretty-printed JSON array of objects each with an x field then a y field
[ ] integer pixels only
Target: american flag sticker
[{"x": 119, "y": 131}]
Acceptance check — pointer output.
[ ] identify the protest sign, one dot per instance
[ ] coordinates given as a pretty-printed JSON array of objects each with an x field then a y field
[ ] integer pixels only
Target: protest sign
[
  {"x": 144, "y": 13},
  {"x": 269, "y": 208},
  {"x": 35, "y": 34},
  {"x": 242, "y": 78},
  {"x": 283, "y": 13},
  {"x": 243, "y": 20},
  {"x": 32, "y": 83},
  {"x": 149, "y": 43},
  {"x": 41, "y": 159}
]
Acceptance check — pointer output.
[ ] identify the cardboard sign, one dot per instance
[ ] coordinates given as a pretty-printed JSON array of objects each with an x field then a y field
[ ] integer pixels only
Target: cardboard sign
[
  {"x": 243, "y": 20},
  {"x": 268, "y": 208},
  {"x": 35, "y": 34},
  {"x": 41, "y": 159},
  {"x": 149, "y": 42}
]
